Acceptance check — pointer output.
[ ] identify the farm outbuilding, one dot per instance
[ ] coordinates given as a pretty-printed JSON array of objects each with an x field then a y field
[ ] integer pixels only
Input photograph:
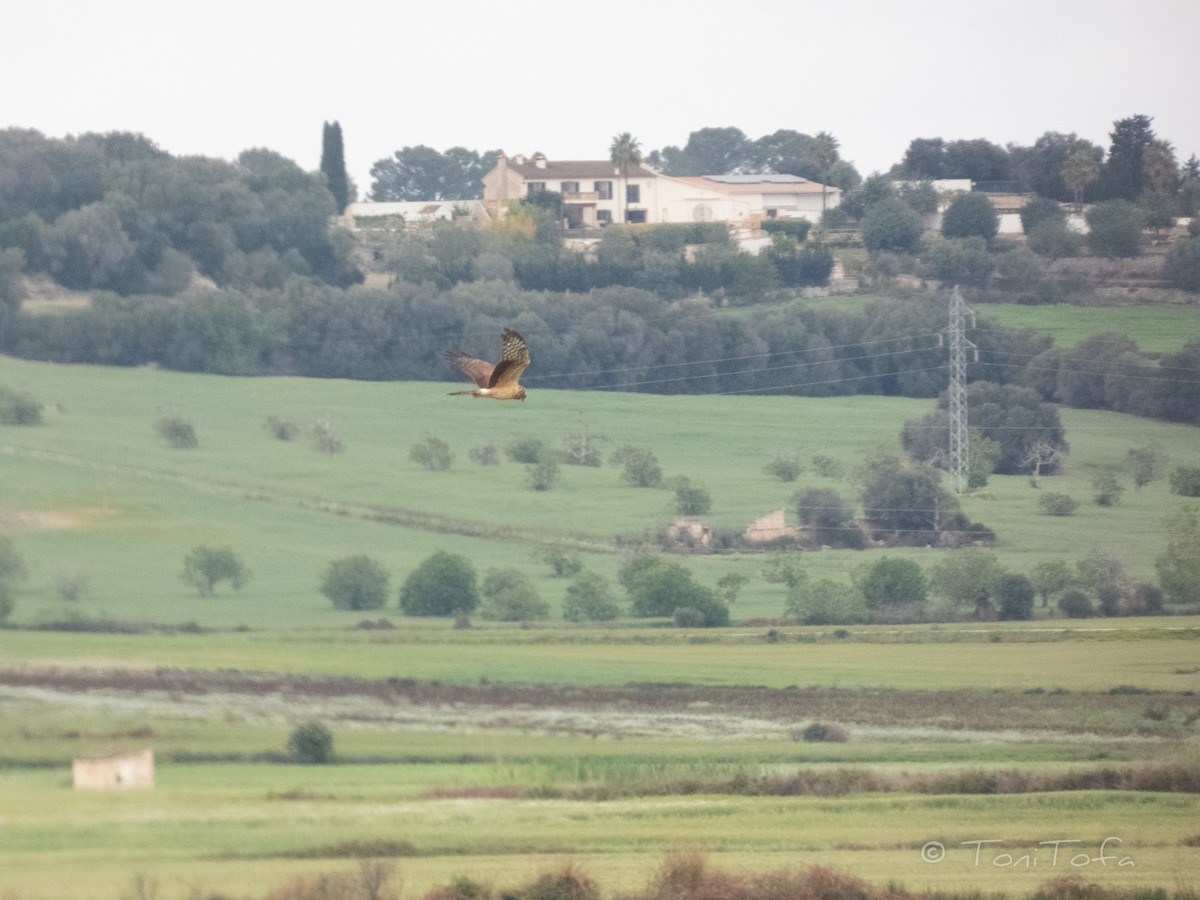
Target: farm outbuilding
[{"x": 129, "y": 770}]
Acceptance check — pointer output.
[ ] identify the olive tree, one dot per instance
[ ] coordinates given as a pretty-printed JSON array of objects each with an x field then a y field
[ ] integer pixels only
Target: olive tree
[
  {"x": 206, "y": 567},
  {"x": 442, "y": 585},
  {"x": 355, "y": 582}
]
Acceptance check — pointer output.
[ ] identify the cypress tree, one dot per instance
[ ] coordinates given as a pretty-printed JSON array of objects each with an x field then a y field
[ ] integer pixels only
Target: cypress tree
[{"x": 333, "y": 164}]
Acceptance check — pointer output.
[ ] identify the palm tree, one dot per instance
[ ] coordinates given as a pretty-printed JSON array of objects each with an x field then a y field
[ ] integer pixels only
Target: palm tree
[
  {"x": 624, "y": 152},
  {"x": 824, "y": 155},
  {"x": 1080, "y": 169}
]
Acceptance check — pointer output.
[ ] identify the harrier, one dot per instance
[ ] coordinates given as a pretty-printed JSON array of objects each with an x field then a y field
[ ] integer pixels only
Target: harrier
[{"x": 499, "y": 382}]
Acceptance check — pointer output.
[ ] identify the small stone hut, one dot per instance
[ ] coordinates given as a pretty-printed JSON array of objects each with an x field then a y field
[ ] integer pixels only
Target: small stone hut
[{"x": 129, "y": 770}]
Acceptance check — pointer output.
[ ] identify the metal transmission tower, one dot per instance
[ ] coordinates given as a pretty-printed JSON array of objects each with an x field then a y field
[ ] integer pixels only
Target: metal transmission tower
[{"x": 959, "y": 345}]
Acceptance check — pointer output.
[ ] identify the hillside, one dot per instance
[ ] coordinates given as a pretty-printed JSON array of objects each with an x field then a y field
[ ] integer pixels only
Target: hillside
[{"x": 94, "y": 492}]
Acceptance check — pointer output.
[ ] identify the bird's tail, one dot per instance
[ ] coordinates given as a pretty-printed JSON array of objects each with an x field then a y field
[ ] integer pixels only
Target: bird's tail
[{"x": 459, "y": 393}]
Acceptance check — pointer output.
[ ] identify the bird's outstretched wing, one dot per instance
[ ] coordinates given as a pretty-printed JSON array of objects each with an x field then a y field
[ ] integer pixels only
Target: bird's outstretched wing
[
  {"x": 478, "y": 370},
  {"x": 514, "y": 360}
]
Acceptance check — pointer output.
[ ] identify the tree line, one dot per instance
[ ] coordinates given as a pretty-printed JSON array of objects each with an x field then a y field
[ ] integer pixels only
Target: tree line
[
  {"x": 1137, "y": 165},
  {"x": 616, "y": 338}
]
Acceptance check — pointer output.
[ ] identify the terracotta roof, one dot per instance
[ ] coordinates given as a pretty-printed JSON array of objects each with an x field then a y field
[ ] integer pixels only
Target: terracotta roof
[{"x": 569, "y": 169}]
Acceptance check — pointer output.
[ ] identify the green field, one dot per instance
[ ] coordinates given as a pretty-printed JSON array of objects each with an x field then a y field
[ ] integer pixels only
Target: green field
[
  {"x": 1156, "y": 329},
  {"x": 575, "y": 764},
  {"x": 94, "y": 492}
]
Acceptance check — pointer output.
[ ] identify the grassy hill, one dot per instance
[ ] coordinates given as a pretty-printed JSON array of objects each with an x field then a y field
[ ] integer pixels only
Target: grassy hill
[{"x": 95, "y": 492}]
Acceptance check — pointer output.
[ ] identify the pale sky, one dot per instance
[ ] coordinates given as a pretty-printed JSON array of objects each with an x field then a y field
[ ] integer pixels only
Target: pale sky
[{"x": 216, "y": 77}]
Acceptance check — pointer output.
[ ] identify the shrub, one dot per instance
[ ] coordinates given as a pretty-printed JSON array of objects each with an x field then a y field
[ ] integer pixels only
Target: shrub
[
  {"x": 658, "y": 588},
  {"x": 1178, "y": 566},
  {"x": 432, "y": 453},
  {"x": 1054, "y": 240},
  {"x": 564, "y": 563},
  {"x": 794, "y": 228},
  {"x": 282, "y": 429},
  {"x": 1014, "y": 596},
  {"x": 580, "y": 448},
  {"x": 543, "y": 474},
  {"x": 311, "y": 744},
  {"x": 1115, "y": 229},
  {"x": 442, "y": 585},
  {"x": 589, "y": 599},
  {"x": 639, "y": 467},
  {"x": 206, "y": 567},
  {"x": 1182, "y": 265},
  {"x": 1146, "y": 600},
  {"x": 485, "y": 454},
  {"x": 1185, "y": 481},
  {"x": 1075, "y": 604},
  {"x": 177, "y": 432},
  {"x": 72, "y": 586},
  {"x": 826, "y": 514},
  {"x": 691, "y": 499},
  {"x": 971, "y": 215},
  {"x": 1106, "y": 489},
  {"x": 825, "y": 602},
  {"x": 509, "y": 596},
  {"x": 526, "y": 450},
  {"x": 1038, "y": 210},
  {"x": 1055, "y": 504},
  {"x": 891, "y": 226},
  {"x": 355, "y": 582},
  {"x": 325, "y": 440},
  {"x": 894, "y": 582},
  {"x": 818, "y": 732},
  {"x": 12, "y": 570},
  {"x": 18, "y": 408},
  {"x": 785, "y": 467},
  {"x": 1144, "y": 464},
  {"x": 827, "y": 466},
  {"x": 688, "y": 617}
]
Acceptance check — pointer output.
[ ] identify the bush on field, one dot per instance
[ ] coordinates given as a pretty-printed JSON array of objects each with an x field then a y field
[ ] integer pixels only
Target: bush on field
[
  {"x": 311, "y": 744},
  {"x": 325, "y": 440},
  {"x": 639, "y": 467},
  {"x": 432, "y": 453},
  {"x": 819, "y": 732},
  {"x": 1185, "y": 481},
  {"x": 442, "y": 585},
  {"x": 355, "y": 582},
  {"x": 1075, "y": 604},
  {"x": 509, "y": 596},
  {"x": 282, "y": 429},
  {"x": 691, "y": 499},
  {"x": 179, "y": 433},
  {"x": 785, "y": 467},
  {"x": 543, "y": 474},
  {"x": 206, "y": 567},
  {"x": 1056, "y": 504},
  {"x": 18, "y": 408},
  {"x": 589, "y": 599},
  {"x": 12, "y": 570},
  {"x": 525, "y": 450}
]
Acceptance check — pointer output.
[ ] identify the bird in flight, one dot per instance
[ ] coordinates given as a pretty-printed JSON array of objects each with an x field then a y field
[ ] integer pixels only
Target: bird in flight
[{"x": 498, "y": 382}]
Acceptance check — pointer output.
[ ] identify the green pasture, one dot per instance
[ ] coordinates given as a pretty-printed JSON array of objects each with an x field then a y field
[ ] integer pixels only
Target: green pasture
[
  {"x": 239, "y": 829},
  {"x": 94, "y": 492},
  {"x": 1156, "y": 329},
  {"x": 1096, "y": 656}
]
